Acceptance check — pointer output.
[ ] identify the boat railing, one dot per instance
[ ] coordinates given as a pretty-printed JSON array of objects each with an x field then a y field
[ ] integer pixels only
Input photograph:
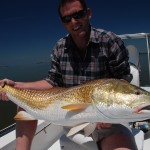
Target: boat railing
[
  {"x": 146, "y": 37},
  {"x": 7, "y": 130}
]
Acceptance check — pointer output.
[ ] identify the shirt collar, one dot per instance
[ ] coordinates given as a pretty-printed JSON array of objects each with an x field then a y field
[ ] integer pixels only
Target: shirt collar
[{"x": 93, "y": 37}]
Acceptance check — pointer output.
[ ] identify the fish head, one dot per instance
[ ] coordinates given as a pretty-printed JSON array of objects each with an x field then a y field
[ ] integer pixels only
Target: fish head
[{"x": 121, "y": 93}]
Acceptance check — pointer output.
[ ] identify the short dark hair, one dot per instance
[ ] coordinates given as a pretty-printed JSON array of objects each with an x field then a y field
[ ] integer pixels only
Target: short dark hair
[{"x": 63, "y": 2}]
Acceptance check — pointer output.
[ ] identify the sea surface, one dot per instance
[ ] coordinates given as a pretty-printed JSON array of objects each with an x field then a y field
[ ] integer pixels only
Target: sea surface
[{"x": 31, "y": 72}]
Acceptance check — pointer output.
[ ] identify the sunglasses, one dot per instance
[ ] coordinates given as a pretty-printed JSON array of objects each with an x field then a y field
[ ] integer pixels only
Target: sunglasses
[{"x": 78, "y": 15}]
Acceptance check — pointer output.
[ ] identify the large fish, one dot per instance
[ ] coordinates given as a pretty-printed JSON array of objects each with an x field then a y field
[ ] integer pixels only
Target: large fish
[{"x": 102, "y": 100}]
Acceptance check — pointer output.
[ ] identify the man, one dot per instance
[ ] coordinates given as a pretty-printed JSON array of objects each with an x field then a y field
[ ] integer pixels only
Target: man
[{"x": 85, "y": 54}]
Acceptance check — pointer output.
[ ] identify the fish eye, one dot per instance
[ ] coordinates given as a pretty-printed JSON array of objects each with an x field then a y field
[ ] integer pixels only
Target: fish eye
[{"x": 137, "y": 92}]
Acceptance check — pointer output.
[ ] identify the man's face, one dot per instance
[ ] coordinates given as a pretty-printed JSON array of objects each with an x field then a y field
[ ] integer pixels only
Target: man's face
[{"x": 75, "y": 18}]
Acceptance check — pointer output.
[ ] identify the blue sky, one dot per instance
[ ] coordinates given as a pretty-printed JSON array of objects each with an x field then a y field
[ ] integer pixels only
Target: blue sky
[{"x": 30, "y": 28}]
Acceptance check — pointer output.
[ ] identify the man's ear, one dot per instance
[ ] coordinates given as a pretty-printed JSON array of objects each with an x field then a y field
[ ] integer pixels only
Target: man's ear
[{"x": 89, "y": 13}]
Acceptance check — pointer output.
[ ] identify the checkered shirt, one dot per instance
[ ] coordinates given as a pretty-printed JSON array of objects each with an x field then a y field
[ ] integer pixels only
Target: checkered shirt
[{"x": 106, "y": 57}]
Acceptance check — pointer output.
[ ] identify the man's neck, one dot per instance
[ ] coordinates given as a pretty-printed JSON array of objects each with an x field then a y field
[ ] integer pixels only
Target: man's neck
[{"x": 82, "y": 42}]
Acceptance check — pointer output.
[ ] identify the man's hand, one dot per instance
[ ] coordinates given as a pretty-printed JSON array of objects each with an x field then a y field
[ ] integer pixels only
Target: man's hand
[
  {"x": 3, "y": 82},
  {"x": 103, "y": 125}
]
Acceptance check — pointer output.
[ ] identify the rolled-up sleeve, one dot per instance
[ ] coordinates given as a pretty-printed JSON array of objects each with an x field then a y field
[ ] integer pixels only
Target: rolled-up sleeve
[{"x": 54, "y": 74}]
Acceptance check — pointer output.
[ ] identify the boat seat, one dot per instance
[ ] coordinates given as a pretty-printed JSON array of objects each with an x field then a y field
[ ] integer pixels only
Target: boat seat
[
  {"x": 133, "y": 55},
  {"x": 134, "y": 64}
]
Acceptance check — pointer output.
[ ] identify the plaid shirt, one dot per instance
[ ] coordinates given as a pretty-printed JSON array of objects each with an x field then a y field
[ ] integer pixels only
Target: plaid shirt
[{"x": 106, "y": 57}]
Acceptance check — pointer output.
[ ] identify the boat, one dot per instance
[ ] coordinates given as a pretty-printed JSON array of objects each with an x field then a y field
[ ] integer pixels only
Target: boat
[{"x": 51, "y": 137}]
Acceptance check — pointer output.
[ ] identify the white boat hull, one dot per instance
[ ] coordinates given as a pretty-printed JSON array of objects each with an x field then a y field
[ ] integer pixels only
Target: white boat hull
[{"x": 48, "y": 138}]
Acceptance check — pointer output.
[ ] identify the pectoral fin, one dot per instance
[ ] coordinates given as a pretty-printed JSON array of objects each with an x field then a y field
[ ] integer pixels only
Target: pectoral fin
[
  {"x": 22, "y": 115},
  {"x": 77, "y": 128},
  {"x": 75, "y": 107}
]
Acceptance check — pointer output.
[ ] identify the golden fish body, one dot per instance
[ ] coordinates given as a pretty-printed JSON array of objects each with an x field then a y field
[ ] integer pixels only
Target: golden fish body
[{"x": 102, "y": 100}]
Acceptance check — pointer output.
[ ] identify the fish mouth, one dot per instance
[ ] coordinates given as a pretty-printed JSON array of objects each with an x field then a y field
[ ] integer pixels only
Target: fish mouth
[
  {"x": 146, "y": 107},
  {"x": 139, "y": 109}
]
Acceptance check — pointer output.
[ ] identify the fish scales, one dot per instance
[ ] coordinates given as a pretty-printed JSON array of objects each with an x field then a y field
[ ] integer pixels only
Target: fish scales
[
  {"x": 101, "y": 100},
  {"x": 34, "y": 98}
]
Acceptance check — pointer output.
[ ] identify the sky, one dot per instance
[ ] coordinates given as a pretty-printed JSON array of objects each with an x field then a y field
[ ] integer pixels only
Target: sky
[{"x": 30, "y": 28}]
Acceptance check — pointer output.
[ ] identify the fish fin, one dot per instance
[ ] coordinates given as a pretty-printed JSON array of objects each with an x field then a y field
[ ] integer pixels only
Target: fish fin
[
  {"x": 75, "y": 107},
  {"x": 22, "y": 115},
  {"x": 89, "y": 129},
  {"x": 77, "y": 128}
]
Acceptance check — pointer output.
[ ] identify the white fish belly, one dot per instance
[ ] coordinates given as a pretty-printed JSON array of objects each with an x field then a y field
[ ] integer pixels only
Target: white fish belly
[{"x": 97, "y": 113}]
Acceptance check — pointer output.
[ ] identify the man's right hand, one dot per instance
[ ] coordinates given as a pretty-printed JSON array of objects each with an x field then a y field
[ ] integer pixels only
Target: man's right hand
[{"x": 3, "y": 95}]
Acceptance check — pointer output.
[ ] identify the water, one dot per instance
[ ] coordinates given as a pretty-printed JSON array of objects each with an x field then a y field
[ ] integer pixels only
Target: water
[{"x": 30, "y": 72}]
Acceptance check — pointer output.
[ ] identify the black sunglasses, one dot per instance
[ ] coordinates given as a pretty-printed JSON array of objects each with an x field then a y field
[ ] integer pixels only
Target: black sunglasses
[{"x": 78, "y": 15}]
